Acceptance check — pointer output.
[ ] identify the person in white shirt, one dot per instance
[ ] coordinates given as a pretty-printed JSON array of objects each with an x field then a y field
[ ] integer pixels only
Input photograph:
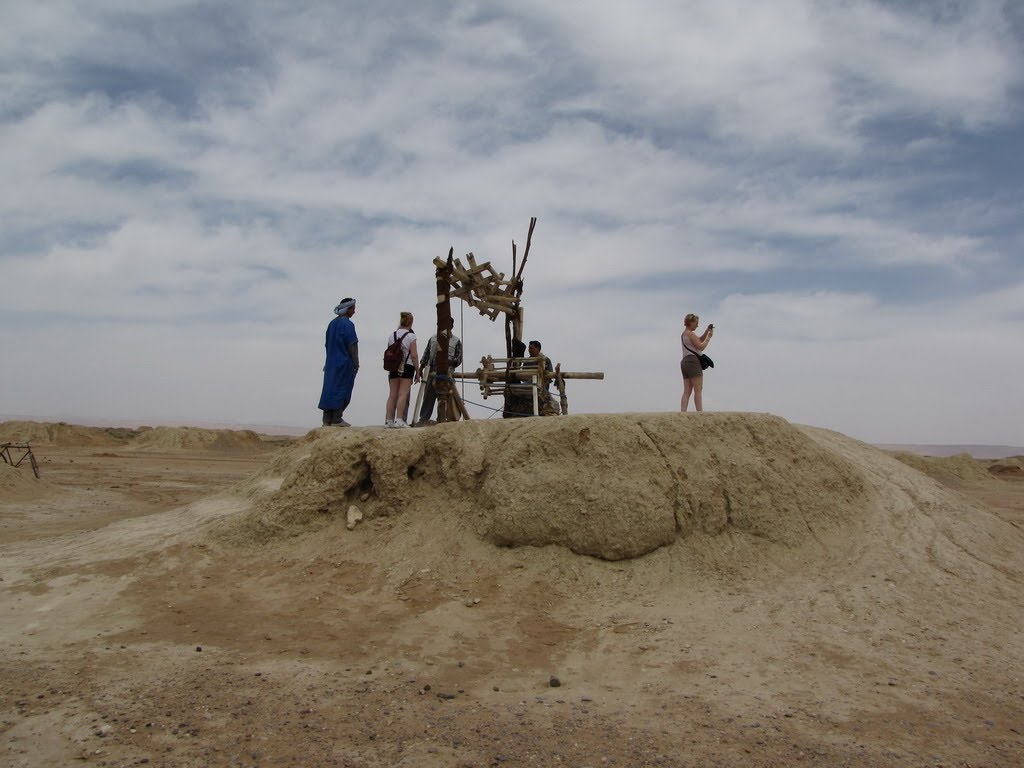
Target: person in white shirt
[{"x": 401, "y": 381}]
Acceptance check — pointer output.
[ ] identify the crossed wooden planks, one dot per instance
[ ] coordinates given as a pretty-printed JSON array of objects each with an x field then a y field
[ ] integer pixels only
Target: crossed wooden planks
[{"x": 480, "y": 286}]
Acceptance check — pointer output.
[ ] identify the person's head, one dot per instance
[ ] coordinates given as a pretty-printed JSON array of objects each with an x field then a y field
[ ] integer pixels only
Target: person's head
[
  {"x": 405, "y": 320},
  {"x": 534, "y": 348},
  {"x": 518, "y": 348},
  {"x": 450, "y": 324},
  {"x": 346, "y": 307},
  {"x": 690, "y": 321}
]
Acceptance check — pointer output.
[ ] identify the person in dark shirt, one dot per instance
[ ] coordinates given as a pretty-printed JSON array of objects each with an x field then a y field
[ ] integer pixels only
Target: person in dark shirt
[
  {"x": 428, "y": 369},
  {"x": 534, "y": 350}
]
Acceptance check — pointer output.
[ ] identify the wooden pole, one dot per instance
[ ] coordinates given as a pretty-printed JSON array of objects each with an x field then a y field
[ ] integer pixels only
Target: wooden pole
[
  {"x": 508, "y": 317},
  {"x": 526, "y": 253},
  {"x": 461, "y": 406},
  {"x": 419, "y": 399},
  {"x": 560, "y": 383},
  {"x": 442, "y": 382},
  {"x": 517, "y": 324}
]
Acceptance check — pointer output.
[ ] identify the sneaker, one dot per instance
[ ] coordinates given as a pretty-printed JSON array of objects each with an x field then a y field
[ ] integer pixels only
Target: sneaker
[
  {"x": 389, "y": 424},
  {"x": 400, "y": 424}
]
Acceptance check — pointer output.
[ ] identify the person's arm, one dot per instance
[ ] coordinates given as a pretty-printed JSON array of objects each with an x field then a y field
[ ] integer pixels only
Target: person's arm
[
  {"x": 351, "y": 342},
  {"x": 415, "y": 361},
  {"x": 696, "y": 343},
  {"x": 457, "y": 360}
]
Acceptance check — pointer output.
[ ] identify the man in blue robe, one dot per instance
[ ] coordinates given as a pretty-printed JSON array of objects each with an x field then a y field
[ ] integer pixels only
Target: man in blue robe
[{"x": 342, "y": 364}]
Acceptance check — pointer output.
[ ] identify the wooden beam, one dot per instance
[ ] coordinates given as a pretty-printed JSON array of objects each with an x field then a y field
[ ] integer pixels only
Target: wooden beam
[
  {"x": 501, "y": 375},
  {"x": 526, "y": 253},
  {"x": 493, "y": 307}
]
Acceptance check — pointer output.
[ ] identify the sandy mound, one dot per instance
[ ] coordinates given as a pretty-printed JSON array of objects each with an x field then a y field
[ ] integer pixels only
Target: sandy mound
[
  {"x": 16, "y": 478},
  {"x": 193, "y": 438},
  {"x": 954, "y": 471},
  {"x": 801, "y": 599},
  {"x": 153, "y": 439},
  {"x": 1012, "y": 467},
  {"x": 63, "y": 434},
  {"x": 614, "y": 486}
]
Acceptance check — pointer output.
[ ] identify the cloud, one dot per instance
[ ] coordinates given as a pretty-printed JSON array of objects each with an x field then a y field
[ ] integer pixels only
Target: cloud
[
  {"x": 190, "y": 189},
  {"x": 794, "y": 70}
]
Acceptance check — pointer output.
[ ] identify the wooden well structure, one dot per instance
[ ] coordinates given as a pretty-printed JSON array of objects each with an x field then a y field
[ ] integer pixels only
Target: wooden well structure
[{"x": 523, "y": 382}]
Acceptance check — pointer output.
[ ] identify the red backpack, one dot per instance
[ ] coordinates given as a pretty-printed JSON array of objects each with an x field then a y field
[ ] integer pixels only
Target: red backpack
[{"x": 394, "y": 355}]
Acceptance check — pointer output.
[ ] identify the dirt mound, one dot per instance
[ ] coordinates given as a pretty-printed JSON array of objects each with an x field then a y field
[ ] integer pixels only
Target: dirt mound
[
  {"x": 611, "y": 486},
  {"x": 63, "y": 434},
  {"x": 193, "y": 438},
  {"x": 1012, "y": 467},
  {"x": 818, "y": 602},
  {"x": 16, "y": 478},
  {"x": 954, "y": 471}
]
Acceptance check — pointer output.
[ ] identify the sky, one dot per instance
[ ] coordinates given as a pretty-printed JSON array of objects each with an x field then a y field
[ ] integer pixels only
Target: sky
[{"x": 190, "y": 187}]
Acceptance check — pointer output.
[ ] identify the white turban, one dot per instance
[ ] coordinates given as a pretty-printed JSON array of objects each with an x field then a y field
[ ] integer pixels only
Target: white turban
[{"x": 343, "y": 306}]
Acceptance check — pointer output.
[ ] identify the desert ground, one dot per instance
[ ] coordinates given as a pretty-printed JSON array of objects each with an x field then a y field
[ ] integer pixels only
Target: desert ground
[{"x": 608, "y": 590}]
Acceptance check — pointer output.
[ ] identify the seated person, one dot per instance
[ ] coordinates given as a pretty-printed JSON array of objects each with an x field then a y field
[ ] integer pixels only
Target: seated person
[{"x": 534, "y": 350}]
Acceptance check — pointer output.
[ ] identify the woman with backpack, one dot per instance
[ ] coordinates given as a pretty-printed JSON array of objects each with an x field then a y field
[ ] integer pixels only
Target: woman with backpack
[{"x": 403, "y": 372}]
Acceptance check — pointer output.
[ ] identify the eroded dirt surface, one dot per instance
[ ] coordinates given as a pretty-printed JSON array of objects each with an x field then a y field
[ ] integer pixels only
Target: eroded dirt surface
[
  {"x": 323, "y": 651},
  {"x": 82, "y": 489}
]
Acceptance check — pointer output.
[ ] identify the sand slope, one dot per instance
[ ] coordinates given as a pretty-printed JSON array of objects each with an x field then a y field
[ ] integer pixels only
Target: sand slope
[
  {"x": 614, "y": 487},
  {"x": 1011, "y": 467},
  {"x": 60, "y": 433},
  {"x": 192, "y": 438},
  {"x": 953, "y": 471},
  {"x": 147, "y": 439},
  {"x": 724, "y": 589},
  {"x": 609, "y": 486},
  {"x": 16, "y": 478}
]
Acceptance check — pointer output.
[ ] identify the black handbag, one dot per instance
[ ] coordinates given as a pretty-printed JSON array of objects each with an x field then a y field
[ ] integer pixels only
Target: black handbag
[{"x": 705, "y": 361}]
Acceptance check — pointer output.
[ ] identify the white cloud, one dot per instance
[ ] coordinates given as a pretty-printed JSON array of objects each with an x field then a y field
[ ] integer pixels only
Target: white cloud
[
  {"x": 795, "y": 70},
  {"x": 191, "y": 190}
]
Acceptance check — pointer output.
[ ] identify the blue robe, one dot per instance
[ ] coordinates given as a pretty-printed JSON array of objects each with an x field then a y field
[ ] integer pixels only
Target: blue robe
[{"x": 339, "y": 371}]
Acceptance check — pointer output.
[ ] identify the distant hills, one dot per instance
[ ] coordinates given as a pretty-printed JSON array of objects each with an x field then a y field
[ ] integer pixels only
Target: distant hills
[{"x": 977, "y": 451}]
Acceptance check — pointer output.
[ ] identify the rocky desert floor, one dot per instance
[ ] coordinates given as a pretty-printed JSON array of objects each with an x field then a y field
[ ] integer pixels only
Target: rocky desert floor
[{"x": 210, "y": 605}]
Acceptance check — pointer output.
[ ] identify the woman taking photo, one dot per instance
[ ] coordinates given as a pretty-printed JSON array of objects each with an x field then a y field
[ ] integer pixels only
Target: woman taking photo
[
  {"x": 400, "y": 381},
  {"x": 693, "y": 374}
]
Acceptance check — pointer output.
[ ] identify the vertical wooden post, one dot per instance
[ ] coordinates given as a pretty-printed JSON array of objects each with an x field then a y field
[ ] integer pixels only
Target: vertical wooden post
[
  {"x": 517, "y": 326},
  {"x": 514, "y": 325},
  {"x": 442, "y": 382},
  {"x": 560, "y": 383}
]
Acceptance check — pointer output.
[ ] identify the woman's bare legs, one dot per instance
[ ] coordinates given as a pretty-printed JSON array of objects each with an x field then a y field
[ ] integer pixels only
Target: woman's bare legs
[
  {"x": 404, "y": 385},
  {"x": 698, "y": 393},
  {"x": 687, "y": 389},
  {"x": 394, "y": 385}
]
